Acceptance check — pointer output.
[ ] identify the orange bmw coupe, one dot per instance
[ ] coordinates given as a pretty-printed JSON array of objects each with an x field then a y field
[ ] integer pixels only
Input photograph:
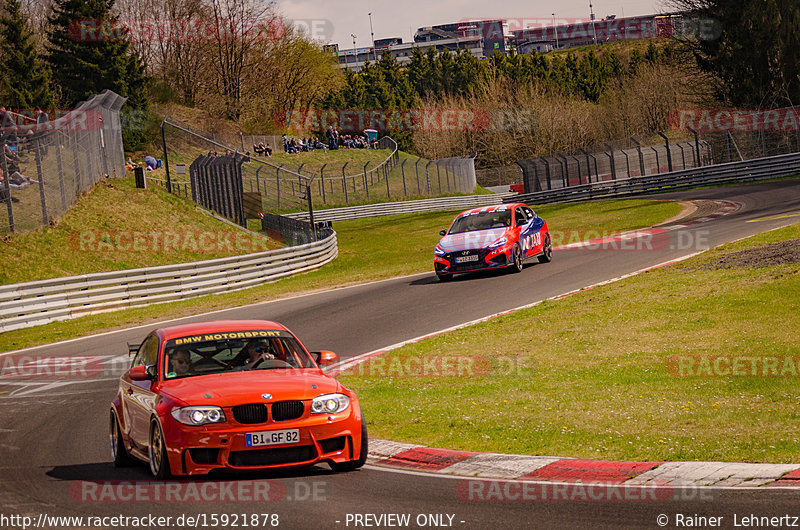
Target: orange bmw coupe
[{"x": 233, "y": 395}]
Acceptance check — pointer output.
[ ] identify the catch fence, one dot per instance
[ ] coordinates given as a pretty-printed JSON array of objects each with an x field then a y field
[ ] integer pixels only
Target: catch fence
[
  {"x": 47, "y": 165},
  {"x": 639, "y": 157},
  {"x": 276, "y": 186}
]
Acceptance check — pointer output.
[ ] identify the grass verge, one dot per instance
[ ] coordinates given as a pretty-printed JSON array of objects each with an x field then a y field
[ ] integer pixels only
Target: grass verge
[
  {"x": 97, "y": 234},
  {"x": 600, "y": 374},
  {"x": 402, "y": 244}
]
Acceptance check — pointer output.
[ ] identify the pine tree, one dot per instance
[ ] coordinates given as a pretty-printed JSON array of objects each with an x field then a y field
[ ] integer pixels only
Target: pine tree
[
  {"x": 26, "y": 81},
  {"x": 89, "y": 53}
]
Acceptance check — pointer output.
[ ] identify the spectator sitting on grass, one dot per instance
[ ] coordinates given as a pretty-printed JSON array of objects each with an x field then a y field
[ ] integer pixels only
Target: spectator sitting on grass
[
  {"x": 17, "y": 180},
  {"x": 291, "y": 146}
]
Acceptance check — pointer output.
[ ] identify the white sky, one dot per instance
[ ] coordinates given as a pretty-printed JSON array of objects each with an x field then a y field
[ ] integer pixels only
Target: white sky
[{"x": 400, "y": 18}]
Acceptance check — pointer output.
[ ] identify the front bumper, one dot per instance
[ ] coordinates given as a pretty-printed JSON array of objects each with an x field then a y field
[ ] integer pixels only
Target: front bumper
[
  {"x": 486, "y": 259},
  {"x": 323, "y": 437}
]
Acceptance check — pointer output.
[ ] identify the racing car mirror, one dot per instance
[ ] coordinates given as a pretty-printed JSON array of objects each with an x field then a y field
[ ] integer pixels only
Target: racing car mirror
[
  {"x": 139, "y": 373},
  {"x": 326, "y": 358}
]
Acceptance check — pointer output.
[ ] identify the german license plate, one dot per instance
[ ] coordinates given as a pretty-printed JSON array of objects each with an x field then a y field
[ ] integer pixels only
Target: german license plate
[
  {"x": 467, "y": 259},
  {"x": 257, "y": 439}
]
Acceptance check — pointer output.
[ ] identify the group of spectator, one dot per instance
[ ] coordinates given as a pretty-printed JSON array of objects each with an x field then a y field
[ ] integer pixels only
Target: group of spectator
[
  {"x": 335, "y": 140},
  {"x": 16, "y": 179},
  {"x": 261, "y": 149},
  {"x": 292, "y": 145},
  {"x": 150, "y": 163}
]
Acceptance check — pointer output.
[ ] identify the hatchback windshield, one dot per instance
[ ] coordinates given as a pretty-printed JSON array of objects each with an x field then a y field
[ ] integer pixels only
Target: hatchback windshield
[
  {"x": 481, "y": 221},
  {"x": 211, "y": 353}
]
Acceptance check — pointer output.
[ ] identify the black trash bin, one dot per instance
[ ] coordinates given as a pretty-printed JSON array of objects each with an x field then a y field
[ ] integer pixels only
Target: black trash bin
[{"x": 138, "y": 175}]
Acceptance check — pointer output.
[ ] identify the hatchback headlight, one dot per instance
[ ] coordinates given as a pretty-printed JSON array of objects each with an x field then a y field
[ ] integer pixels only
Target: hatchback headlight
[
  {"x": 499, "y": 243},
  {"x": 329, "y": 404},
  {"x": 199, "y": 415},
  {"x": 439, "y": 251}
]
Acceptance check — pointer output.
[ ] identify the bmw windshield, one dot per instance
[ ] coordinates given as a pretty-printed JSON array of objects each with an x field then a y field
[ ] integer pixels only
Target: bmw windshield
[{"x": 212, "y": 353}]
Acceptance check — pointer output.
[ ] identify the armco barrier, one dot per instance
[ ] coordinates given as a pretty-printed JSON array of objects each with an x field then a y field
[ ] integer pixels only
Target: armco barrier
[
  {"x": 403, "y": 207},
  {"x": 748, "y": 170},
  {"x": 33, "y": 303}
]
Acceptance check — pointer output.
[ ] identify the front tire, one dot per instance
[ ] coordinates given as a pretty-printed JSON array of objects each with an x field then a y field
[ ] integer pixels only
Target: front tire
[
  {"x": 517, "y": 263},
  {"x": 157, "y": 453},
  {"x": 547, "y": 251},
  {"x": 362, "y": 457},
  {"x": 119, "y": 455}
]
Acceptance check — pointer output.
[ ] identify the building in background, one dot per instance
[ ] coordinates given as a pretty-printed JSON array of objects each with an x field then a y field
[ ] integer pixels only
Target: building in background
[{"x": 483, "y": 38}]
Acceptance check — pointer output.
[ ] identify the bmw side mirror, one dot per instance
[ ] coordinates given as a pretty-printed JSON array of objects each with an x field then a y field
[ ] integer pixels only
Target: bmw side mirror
[
  {"x": 326, "y": 358},
  {"x": 442, "y": 232},
  {"x": 139, "y": 373}
]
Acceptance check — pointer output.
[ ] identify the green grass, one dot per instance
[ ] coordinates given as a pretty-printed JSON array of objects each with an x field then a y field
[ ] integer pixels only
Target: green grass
[
  {"x": 96, "y": 235},
  {"x": 589, "y": 376},
  {"x": 402, "y": 244}
]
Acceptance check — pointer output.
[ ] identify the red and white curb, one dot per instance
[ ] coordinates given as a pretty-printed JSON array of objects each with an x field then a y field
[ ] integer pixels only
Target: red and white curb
[{"x": 469, "y": 464}]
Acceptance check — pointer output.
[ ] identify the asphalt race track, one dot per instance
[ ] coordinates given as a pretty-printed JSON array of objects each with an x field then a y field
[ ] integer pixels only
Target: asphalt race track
[{"x": 54, "y": 456}]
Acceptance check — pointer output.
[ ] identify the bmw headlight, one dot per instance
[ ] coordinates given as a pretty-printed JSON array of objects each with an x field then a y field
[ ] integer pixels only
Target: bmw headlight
[
  {"x": 439, "y": 251},
  {"x": 499, "y": 243},
  {"x": 199, "y": 415},
  {"x": 329, "y": 404}
]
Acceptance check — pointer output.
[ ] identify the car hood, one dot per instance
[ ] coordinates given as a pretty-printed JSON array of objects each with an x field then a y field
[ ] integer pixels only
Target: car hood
[
  {"x": 235, "y": 388},
  {"x": 471, "y": 240}
]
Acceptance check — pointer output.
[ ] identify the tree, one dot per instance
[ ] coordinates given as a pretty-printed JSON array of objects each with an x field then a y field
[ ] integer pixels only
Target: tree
[
  {"x": 26, "y": 83},
  {"x": 751, "y": 50},
  {"x": 89, "y": 52}
]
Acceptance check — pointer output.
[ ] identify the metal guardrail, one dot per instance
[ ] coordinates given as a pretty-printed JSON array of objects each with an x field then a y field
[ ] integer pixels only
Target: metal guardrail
[
  {"x": 33, "y": 303},
  {"x": 404, "y": 207},
  {"x": 748, "y": 170}
]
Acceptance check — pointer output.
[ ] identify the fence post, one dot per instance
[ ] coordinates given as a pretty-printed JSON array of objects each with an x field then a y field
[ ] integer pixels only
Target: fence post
[
  {"x": 386, "y": 178},
  {"x": 278, "y": 184},
  {"x": 439, "y": 177},
  {"x": 77, "y": 165},
  {"x": 416, "y": 169},
  {"x": 697, "y": 145},
  {"x": 564, "y": 168},
  {"x": 60, "y": 169},
  {"x": 403, "y": 172},
  {"x": 763, "y": 143},
  {"x": 366, "y": 186},
  {"x": 683, "y": 156},
  {"x": 38, "y": 157},
  {"x": 588, "y": 166},
  {"x": 728, "y": 145},
  {"x": 166, "y": 158},
  {"x": 344, "y": 182},
  {"x": 322, "y": 182},
  {"x": 428, "y": 187},
  {"x": 658, "y": 163},
  {"x": 547, "y": 172},
  {"x": 627, "y": 162},
  {"x": 577, "y": 161},
  {"x": 669, "y": 153},
  {"x": 613, "y": 162},
  {"x": 7, "y": 188},
  {"x": 641, "y": 158}
]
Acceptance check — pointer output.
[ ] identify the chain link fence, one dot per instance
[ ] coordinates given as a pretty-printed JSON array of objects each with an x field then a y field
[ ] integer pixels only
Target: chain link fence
[
  {"x": 635, "y": 157},
  {"x": 275, "y": 186},
  {"x": 46, "y": 166}
]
